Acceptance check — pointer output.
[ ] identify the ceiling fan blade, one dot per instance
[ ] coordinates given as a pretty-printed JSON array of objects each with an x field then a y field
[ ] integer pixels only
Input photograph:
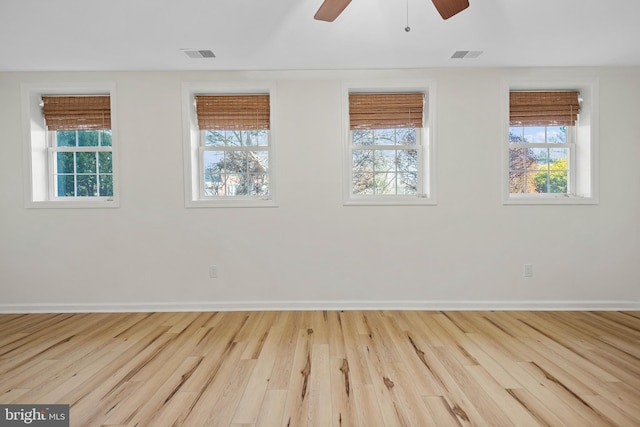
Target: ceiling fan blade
[
  {"x": 330, "y": 9},
  {"x": 448, "y": 8}
]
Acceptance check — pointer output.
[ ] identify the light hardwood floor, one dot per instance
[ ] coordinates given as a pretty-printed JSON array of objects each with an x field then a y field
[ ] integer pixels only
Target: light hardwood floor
[{"x": 352, "y": 368}]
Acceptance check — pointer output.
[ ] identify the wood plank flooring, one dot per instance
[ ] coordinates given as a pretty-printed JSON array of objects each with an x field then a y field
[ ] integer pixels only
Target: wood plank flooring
[{"x": 327, "y": 368}]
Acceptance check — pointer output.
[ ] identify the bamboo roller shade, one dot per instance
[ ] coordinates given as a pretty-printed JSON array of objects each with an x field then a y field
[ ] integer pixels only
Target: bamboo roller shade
[
  {"x": 543, "y": 108},
  {"x": 77, "y": 112},
  {"x": 385, "y": 110},
  {"x": 233, "y": 112}
]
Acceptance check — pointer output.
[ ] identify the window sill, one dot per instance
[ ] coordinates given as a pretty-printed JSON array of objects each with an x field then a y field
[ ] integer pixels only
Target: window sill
[
  {"x": 549, "y": 200},
  {"x": 232, "y": 203},
  {"x": 390, "y": 201},
  {"x": 73, "y": 204}
]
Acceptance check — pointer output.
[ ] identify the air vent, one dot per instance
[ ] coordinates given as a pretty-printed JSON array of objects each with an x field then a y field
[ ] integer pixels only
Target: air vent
[
  {"x": 466, "y": 54},
  {"x": 200, "y": 53}
]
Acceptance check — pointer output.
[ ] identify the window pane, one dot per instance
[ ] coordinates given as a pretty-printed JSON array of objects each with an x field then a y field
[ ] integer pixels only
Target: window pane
[
  {"x": 363, "y": 137},
  {"x": 106, "y": 185},
  {"x": 88, "y": 138},
  {"x": 408, "y": 183},
  {"x": 534, "y": 134},
  {"x": 557, "y": 134},
  {"x": 87, "y": 186},
  {"x": 385, "y": 183},
  {"x": 85, "y": 162},
  {"x": 558, "y": 182},
  {"x": 406, "y": 136},
  {"x": 258, "y": 161},
  {"x": 214, "y": 160},
  {"x": 234, "y": 185},
  {"x": 550, "y": 181},
  {"x": 251, "y": 138},
  {"x": 213, "y": 167},
  {"x": 66, "y": 186},
  {"x": 558, "y": 155},
  {"x": 385, "y": 160},
  {"x": 541, "y": 182},
  {"x": 262, "y": 138},
  {"x": 259, "y": 184},
  {"x": 384, "y": 136},
  {"x": 515, "y": 134},
  {"x": 363, "y": 161},
  {"x": 236, "y": 161},
  {"x": 66, "y": 138},
  {"x": 64, "y": 162},
  {"x": 516, "y": 182},
  {"x": 517, "y": 158},
  {"x": 105, "y": 138},
  {"x": 407, "y": 160},
  {"x": 363, "y": 183},
  {"x": 234, "y": 138},
  {"x": 537, "y": 158},
  {"x": 214, "y": 138},
  {"x": 105, "y": 159}
]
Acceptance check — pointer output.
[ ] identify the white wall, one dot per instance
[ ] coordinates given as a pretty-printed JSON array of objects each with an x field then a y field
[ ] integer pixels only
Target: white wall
[{"x": 311, "y": 251}]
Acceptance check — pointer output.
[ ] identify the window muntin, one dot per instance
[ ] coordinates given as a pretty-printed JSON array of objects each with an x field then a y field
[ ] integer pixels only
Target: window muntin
[
  {"x": 81, "y": 163},
  {"x": 541, "y": 159},
  {"x": 234, "y": 163}
]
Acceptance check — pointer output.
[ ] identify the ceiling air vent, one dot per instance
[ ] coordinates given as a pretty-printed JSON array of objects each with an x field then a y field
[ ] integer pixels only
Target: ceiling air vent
[
  {"x": 199, "y": 53},
  {"x": 466, "y": 54}
]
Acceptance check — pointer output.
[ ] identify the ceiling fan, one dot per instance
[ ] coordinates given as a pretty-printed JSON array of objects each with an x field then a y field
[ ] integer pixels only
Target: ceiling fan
[{"x": 330, "y": 9}]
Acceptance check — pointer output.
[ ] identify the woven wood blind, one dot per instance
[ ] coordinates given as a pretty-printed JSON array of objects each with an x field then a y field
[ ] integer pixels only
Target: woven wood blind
[
  {"x": 233, "y": 112},
  {"x": 385, "y": 110},
  {"x": 77, "y": 112},
  {"x": 543, "y": 108}
]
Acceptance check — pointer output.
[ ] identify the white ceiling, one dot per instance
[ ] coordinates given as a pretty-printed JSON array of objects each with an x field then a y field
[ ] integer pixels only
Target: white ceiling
[{"x": 48, "y": 35}]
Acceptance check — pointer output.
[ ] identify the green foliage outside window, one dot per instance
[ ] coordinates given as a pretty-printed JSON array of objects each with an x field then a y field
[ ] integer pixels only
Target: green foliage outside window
[{"x": 84, "y": 173}]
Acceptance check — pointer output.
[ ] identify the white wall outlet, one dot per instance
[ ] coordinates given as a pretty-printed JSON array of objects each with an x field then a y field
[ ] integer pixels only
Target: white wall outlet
[
  {"x": 527, "y": 270},
  {"x": 213, "y": 271}
]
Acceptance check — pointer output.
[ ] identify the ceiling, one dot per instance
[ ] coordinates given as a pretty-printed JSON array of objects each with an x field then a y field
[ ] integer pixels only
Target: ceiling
[{"x": 37, "y": 35}]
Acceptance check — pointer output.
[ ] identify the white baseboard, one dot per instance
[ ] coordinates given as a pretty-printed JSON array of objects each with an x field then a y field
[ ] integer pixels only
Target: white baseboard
[{"x": 323, "y": 305}]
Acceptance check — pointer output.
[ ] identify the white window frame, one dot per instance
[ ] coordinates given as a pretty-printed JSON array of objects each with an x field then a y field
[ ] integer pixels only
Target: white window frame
[
  {"x": 38, "y": 151},
  {"x": 424, "y": 140},
  {"x": 582, "y": 141},
  {"x": 193, "y": 148}
]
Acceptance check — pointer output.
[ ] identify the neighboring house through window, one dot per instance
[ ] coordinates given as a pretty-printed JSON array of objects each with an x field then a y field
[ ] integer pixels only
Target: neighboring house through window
[{"x": 229, "y": 149}]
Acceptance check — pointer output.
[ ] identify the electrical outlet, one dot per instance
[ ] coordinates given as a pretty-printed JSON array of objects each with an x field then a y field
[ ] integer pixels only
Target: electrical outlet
[
  {"x": 213, "y": 271},
  {"x": 527, "y": 270}
]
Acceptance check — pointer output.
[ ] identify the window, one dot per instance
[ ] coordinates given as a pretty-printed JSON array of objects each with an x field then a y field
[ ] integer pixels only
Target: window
[
  {"x": 387, "y": 152},
  {"x": 549, "y": 154},
  {"x": 70, "y": 146},
  {"x": 230, "y": 149},
  {"x": 79, "y": 146}
]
